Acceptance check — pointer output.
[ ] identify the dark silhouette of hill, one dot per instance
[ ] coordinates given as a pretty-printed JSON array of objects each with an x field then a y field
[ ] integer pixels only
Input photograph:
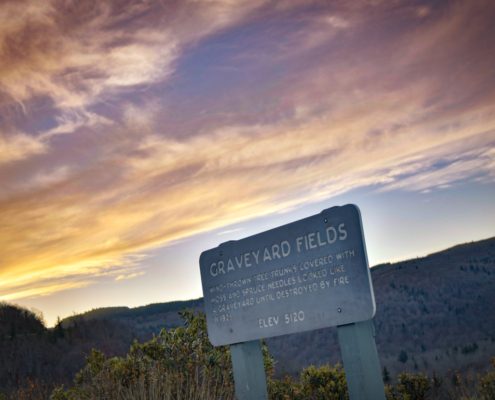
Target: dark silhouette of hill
[
  {"x": 16, "y": 321},
  {"x": 434, "y": 314},
  {"x": 144, "y": 321},
  {"x": 29, "y": 352}
]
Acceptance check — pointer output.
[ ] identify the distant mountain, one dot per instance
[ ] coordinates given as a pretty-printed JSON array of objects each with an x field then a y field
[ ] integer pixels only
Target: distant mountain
[
  {"x": 434, "y": 314},
  {"x": 144, "y": 321}
]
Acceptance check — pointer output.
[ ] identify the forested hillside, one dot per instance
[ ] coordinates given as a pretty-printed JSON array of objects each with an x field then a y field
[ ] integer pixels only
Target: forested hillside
[
  {"x": 433, "y": 314},
  {"x": 29, "y": 352}
]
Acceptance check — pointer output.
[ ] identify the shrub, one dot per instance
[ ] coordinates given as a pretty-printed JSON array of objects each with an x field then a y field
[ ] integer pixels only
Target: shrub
[
  {"x": 487, "y": 386},
  {"x": 178, "y": 364},
  {"x": 324, "y": 383},
  {"x": 315, "y": 383},
  {"x": 284, "y": 389},
  {"x": 413, "y": 386}
]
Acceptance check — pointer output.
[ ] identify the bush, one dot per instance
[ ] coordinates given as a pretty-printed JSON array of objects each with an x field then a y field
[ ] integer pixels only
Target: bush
[
  {"x": 178, "y": 364},
  {"x": 284, "y": 389},
  {"x": 413, "y": 386},
  {"x": 315, "y": 383},
  {"x": 487, "y": 386},
  {"x": 324, "y": 383}
]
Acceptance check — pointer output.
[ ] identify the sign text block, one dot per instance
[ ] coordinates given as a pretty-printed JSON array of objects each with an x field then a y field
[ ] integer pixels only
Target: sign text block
[{"x": 309, "y": 274}]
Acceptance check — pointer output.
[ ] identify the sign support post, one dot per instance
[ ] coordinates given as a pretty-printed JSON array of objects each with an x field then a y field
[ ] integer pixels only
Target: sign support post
[
  {"x": 249, "y": 370},
  {"x": 361, "y": 362}
]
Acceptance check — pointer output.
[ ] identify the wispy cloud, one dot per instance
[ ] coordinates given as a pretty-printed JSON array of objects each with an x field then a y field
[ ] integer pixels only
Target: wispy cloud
[
  {"x": 80, "y": 53},
  {"x": 129, "y": 276},
  {"x": 229, "y": 231},
  {"x": 446, "y": 169},
  {"x": 17, "y": 146}
]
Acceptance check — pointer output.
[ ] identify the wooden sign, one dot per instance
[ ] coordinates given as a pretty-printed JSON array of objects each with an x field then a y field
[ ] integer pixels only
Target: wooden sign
[{"x": 309, "y": 274}]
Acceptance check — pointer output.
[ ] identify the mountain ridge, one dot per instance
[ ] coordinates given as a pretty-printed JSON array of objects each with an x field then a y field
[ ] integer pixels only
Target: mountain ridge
[
  {"x": 116, "y": 311},
  {"x": 415, "y": 299}
]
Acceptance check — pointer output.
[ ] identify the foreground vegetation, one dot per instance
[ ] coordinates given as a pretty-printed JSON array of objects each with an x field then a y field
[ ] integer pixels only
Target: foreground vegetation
[{"x": 181, "y": 363}]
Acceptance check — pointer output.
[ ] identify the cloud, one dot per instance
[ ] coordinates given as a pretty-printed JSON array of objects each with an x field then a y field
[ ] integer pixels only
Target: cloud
[
  {"x": 129, "y": 276},
  {"x": 78, "y": 52},
  {"x": 445, "y": 170},
  {"x": 229, "y": 231},
  {"x": 71, "y": 120},
  {"x": 29, "y": 290},
  {"x": 17, "y": 146},
  {"x": 156, "y": 154}
]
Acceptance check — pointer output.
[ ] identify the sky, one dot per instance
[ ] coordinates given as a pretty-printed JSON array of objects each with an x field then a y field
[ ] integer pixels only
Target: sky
[{"x": 136, "y": 134}]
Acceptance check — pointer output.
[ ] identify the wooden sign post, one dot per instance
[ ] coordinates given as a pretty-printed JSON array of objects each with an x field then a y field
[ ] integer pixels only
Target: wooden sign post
[
  {"x": 361, "y": 362},
  {"x": 249, "y": 370},
  {"x": 309, "y": 274}
]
